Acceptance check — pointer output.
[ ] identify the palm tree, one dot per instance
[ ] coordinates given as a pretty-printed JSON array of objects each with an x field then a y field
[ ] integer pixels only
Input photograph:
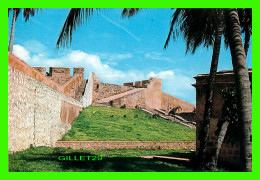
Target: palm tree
[
  {"x": 74, "y": 19},
  {"x": 242, "y": 87},
  {"x": 27, "y": 12},
  {"x": 245, "y": 16},
  {"x": 185, "y": 18},
  {"x": 196, "y": 32},
  {"x": 201, "y": 26}
]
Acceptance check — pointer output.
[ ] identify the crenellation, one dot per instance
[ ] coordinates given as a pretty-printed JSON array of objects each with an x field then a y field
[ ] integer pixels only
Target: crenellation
[
  {"x": 78, "y": 71},
  {"x": 131, "y": 84},
  {"x": 42, "y": 108}
]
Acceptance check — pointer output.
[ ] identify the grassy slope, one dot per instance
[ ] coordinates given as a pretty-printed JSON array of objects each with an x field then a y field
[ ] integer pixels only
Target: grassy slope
[
  {"x": 44, "y": 159},
  {"x": 114, "y": 124}
]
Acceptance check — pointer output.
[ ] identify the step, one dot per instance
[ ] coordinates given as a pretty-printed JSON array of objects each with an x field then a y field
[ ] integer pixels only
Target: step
[{"x": 117, "y": 96}]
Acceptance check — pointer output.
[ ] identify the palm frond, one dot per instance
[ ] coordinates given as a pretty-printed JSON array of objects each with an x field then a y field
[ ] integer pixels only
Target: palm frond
[
  {"x": 129, "y": 12},
  {"x": 74, "y": 19},
  {"x": 27, "y": 12},
  {"x": 175, "y": 17}
]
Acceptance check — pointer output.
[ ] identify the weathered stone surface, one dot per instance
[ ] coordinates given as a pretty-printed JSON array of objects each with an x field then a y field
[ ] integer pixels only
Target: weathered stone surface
[
  {"x": 229, "y": 153},
  {"x": 98, "y": 145},
  {"x": 86, "y": 99},
  {"x": 34, "y": 111},
  {"x": 169, "y": 102}
]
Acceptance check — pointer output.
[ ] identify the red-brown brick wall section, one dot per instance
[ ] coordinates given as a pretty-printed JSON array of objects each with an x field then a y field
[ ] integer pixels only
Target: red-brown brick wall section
[
  {"x": 169, "y": 102},
  {"x": 68, "y": 112},
  {"x": 98, "y": 145},
  {"x": 70, "y": 88},
  {"x": 105, "y": 90}
]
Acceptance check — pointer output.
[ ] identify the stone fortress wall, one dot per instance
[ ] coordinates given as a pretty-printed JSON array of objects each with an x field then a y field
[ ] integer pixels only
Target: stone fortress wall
[
  {"x": 146, "y": 94},
  {"x": 39, "y": 113},
  {"x": 42, "y": 106}
]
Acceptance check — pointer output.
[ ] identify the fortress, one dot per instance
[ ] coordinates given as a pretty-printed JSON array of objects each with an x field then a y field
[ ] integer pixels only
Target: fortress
[{"x": 42, "y": 106}]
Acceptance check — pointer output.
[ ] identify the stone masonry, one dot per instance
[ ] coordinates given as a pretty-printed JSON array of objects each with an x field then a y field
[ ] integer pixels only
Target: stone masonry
[
  {"x": 146, "y": 94},
  {"x": 38, "y": 112},
  {"x": 229, "y": 153},
  {"x": 42, "y": 106}
]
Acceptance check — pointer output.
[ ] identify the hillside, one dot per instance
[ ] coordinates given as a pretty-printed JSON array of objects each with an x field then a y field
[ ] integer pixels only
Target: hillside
[{"x": 115, "y": 124}]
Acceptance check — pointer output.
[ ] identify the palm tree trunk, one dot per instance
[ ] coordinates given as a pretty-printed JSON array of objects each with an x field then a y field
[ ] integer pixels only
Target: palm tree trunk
[
  {"x": 211, "y": 165},
  {"x": 242, "y": 89},
  {"x": 11, "y": 41},
  {"x": 209, "y": 98}
]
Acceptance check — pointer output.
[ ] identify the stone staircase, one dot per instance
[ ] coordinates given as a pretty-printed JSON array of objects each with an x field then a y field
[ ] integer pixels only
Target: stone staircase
[
  {"x": 81, "y": 90},
  {"x": 105, "y": 101},
  {"x": 175, "y": 118}
]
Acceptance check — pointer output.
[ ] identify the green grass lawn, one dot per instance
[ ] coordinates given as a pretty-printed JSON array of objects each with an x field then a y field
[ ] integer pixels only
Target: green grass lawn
[
  {"x": 45, "y": 159},
  {"x": 115, "y": 124}
]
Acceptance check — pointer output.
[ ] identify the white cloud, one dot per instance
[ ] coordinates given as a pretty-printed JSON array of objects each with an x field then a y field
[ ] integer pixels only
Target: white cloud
[
  {"x": 36, "y": 47},
  {"x": 21, "y": 52},
  {"x": 174, "y": 82},
  {"x": 112, "y": 57},
  {"x": 156, "y": 56},
  {"x": 161, "y": 74}
]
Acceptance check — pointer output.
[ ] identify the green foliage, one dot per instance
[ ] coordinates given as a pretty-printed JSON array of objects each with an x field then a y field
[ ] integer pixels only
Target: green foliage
[
  {"x": 115, "y": 124},
  {"x": 173, "y": 111},
  {"x": 155, "y": 116},
  {"x": 123, "y": 107},
  {"x": 138, "y": 107},
  {"x": 230, "y": 114}
]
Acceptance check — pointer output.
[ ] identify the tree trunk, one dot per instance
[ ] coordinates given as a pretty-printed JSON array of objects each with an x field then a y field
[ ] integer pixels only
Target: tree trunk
[
  {"x": 211, "y": 165},
  {"x": 242, "y": 89},
  {"x": 11, "y": 41},
  {"x": 209, "y": 98}
]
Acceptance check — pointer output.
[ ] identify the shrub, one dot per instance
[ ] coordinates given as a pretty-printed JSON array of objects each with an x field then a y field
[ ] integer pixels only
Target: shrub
[
  {"x": 156, "y": 116},
  {"x": 138, "y": 107},
  {"x": 123, "y": 107}
]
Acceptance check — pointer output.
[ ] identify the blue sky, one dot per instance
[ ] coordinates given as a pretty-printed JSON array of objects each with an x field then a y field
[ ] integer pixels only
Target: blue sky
[{"x": 118, "y": 50}]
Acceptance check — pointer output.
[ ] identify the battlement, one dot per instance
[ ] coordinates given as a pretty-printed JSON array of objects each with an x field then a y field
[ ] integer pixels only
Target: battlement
[
  {"x": 139, "y": 84},
  {"x": 78, "y": 70},
  {"x": 59, "y": 71},
  {"x": 60, "y": 75}
]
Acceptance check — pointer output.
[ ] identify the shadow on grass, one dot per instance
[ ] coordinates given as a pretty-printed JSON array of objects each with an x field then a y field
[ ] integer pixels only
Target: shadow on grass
[{"x": 46, "y": 162}]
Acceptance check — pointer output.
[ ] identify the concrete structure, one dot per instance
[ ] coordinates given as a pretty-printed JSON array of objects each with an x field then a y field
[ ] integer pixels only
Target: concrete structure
[
  {"x": 229, "y": 153},
  {"x": 42, "y": 106}
]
